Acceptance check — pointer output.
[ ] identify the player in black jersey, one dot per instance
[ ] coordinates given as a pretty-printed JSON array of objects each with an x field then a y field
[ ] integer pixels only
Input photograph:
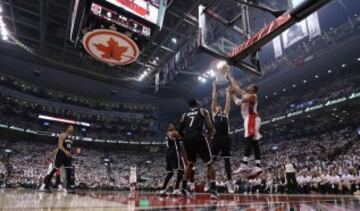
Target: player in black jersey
[
  {"x": 191, "y": 128},
  {"x": 173, "y": 160},
  {"x": 63, "y": 158},
  {"x": 221, "y": 144}
]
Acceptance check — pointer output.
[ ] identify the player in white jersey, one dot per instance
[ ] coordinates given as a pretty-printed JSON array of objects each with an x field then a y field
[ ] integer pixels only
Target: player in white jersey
[{"x": 247, "y": 100}]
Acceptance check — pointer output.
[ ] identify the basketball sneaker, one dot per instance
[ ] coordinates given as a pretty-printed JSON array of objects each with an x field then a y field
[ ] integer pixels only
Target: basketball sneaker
[
  {"x": 69, "y": 190},
  {"x": 192, "y": 187},
  {"x": 255, "y": 172},
  {"x": 176, "y": 192},
  {"x": 131, "y": 195},
  {"x": 242, "y": 170},
  {"x": 44, "y": 188},
  {"x": 163, "y": 192},
  {"x": 207, "y": 187},
  {"x": 230, "y": 187},
  {"x": 214, "y": 194},
  {"x": 186, "y": 192}
]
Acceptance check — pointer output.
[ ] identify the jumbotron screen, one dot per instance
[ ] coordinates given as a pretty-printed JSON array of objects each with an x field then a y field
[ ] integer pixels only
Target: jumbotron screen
[{"x": 150, "y": 10}]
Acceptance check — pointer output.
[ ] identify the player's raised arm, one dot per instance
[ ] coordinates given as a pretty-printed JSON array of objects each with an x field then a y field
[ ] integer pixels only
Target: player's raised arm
[
  {"x": 213, "y": 98},
  {"x": 208, "y": 124},
  {"x": 182, "y": 125},
  {"x": 227, "y": 102},
  {"x": 234, "y": 84}
]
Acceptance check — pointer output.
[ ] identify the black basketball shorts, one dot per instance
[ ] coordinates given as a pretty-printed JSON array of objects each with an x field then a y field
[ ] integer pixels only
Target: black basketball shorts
[{"x": 196, "y": 144}]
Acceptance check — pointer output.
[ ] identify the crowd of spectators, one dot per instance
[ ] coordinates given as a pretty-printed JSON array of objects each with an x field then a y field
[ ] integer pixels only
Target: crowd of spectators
[
  {"x": 21, "y": 103},
  {"x": 61, "y": 97},
  {"x": 326, "y": 162}
]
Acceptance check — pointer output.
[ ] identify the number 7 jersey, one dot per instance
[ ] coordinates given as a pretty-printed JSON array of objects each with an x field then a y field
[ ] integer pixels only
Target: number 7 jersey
[{"x": 192, "y": 121}]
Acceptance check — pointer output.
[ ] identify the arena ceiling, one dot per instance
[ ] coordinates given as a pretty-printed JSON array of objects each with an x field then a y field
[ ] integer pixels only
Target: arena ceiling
[{"x": 43, "y": 25}]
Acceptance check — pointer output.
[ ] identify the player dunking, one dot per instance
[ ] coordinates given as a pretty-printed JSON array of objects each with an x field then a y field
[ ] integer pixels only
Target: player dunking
[
  {"x": 63, "y": 158},
  {"x": 191, "y": 128},
  {"x": 247, "y": 100},
  {"x": 221, "y": 144},
  {"x": 174, "y": 160}
]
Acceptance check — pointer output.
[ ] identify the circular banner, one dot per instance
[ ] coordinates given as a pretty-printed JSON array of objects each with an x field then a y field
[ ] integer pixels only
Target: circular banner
[{"x": 111, "y": 47}]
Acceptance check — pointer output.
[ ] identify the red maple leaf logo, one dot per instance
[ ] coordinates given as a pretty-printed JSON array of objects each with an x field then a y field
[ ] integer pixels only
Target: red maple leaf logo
[{"x": 112, "y": 51}]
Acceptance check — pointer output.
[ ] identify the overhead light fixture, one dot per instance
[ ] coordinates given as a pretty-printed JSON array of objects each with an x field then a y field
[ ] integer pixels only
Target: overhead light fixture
[
  {"x": 305, "y": 81},
  {"x": 4, "y": 32},
  {"x": 211, "y": 73},
  {"x": 329, "y": 71},
  {"x": 174, "y": 40},
  {"x": 202, "y": 79},
  {"x": 275, "y": 93},
  {"x": 358, "y": 59},
  {"x": 284, "y": 90},
  {"x": 343, "y": 65},
  {"x": 294, "y": 85},
  {"x": 316, "y": 76}
]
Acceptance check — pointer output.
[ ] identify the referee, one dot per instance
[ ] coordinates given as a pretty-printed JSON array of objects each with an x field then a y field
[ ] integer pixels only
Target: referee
[{"x": 290, "y": 175}]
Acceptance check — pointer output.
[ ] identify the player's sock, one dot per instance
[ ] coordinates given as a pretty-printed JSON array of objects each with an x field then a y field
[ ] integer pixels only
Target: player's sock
[
  {"x": 178, "y": 179},
  {"x": 212, "y": 185},
  {"x": 184, "y": 184},
  {"x": 258, "y": 163},
  {"x": 227, "y": 168},
  {"x": 245, "y": 160},
  {"x": 167, "y": 179}
]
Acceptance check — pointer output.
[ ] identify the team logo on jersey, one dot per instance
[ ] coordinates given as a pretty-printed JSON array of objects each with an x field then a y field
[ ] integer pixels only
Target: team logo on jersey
[{"x": 111, "y": 47}]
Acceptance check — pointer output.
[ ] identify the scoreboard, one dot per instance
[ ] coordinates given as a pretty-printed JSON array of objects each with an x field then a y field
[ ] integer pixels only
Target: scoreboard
[
  {"x": 149, "y": 10},
  {"x": 137, "y": 19},
  {"x": 121, "y": 20}
]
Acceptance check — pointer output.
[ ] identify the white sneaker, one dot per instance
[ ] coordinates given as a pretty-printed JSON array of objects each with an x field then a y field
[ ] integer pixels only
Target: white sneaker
[
  {"x": 206, "y": 187},
  {"x": 131, "y": 195},
  {"x": 230, "y": 187},
  {"x": 192, "y": 187},
  {"x": 176, "y": 192},
  {"x": 60, "y": 188},
  {"x": 162, "y": 192},
  {"x": 243, "y": 169},
  {"x": 255, "y": 172},
  {"x": 42, "y": 187}
]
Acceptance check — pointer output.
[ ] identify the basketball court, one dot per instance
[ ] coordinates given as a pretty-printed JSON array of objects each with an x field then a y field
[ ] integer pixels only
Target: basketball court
[{"x": 24, "y": 199}]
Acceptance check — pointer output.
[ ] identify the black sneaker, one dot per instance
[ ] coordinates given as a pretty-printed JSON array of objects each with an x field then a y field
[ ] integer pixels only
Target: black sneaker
[
  {"x": 214, "y": 194},
  {"x": 186, "y": 192},
  {"x": 69, "y": 190}
]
